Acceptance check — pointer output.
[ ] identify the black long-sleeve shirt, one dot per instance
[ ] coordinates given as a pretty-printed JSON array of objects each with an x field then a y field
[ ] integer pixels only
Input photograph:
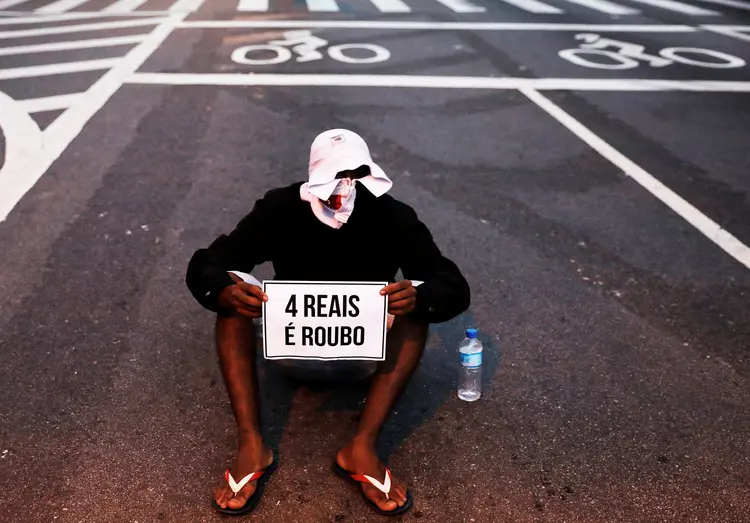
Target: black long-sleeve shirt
[{"x": 382, "y": 236}]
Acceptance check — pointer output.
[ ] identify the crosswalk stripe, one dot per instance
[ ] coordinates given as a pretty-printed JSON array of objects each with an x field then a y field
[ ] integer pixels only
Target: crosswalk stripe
[
  {"x": 462, "y": 6},
  {"x": 729, "y": 3},
  {"x": 679, "y": 7},
  {"x": 391, "y": 6},
  {"x": 252, "y": 5},
  {"x": 70, "y": 45},
  {"x": 322, "y": 5},
  {"x": 605, "y": 6},
  {"x": 60, "y": 6},
  {"x": 534, "y": 6},
  {"x": 124, "y": 6},
  {"x": 62, "y": 68},
  {"x": 5, "y": 4}
]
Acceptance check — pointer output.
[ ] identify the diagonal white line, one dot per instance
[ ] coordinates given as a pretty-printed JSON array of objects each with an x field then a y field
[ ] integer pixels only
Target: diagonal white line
[
  {"x": 79, "y": 28},
  {"x": 391, "y": 6},
  {"x": 52, "y": 69},
  {"x": 605, "y": 6},
  {"x": 124, "y": 6},
  {"x": 70, "y": 45},
  {"x": 712, "y": 230},
  {"x": 50, "y": 103},
  {"x": 534, "y": 6},
  {"x": 60, "y": 6},
  {"x": 5, "y": 4},
  {"x": 322, "y": 5},
  {"x": 729, "y": 3},
  {"x": 462, "y": 6},
  {"x": 678, "y": 7}
]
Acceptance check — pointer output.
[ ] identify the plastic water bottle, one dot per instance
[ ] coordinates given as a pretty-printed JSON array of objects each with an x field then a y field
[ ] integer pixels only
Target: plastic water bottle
[{"x": 470, "y": 377}]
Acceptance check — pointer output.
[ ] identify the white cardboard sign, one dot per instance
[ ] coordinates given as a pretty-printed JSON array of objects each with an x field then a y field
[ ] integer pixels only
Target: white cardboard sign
[{"x": 324, "y": 320}]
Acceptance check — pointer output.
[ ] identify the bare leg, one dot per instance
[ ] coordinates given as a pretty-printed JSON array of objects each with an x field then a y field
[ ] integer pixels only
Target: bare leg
[
  {"x": 406, "y": 342},
  {"x": 235, "y": 341}
]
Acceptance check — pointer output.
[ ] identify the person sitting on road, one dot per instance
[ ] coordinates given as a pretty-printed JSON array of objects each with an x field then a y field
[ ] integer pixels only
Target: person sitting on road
[{"x": 339, "y": 226}]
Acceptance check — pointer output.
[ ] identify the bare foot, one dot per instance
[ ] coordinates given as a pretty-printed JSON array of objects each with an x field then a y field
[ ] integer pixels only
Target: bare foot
[
  {"x": 362, "y": 459},
  {"x": 250, "y": 458}
]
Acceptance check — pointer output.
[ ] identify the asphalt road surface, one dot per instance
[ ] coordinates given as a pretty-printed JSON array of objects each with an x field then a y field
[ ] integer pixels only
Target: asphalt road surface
[{"x": 595, "y": 198}]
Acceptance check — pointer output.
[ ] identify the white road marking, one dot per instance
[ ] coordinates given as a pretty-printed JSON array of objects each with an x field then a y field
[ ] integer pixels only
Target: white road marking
[
  {"x": 17, "y": 181},
  {"x": 444, "y": 26},
  {"x": 50, "y": 103},
  {"x": 123, "y": 6},
  {"x": 391, "y": 6},
  {"x": 679, "y": 7},
  {"x": 724, "y": 31},
  {"x": 440, "y": 82},
  {"x": 713, "y": 231},
  {"x": 186, "y": 6},
  {"x": 534, "y": 6},
  {"x": 60, "y": 68},
  {"x": 60, "y": 6},
  {"x": 5, "y": 4},
  {"x": 44, "y": 31},
  {"x": 252, "y": 5},
  {"x": 729, "y": 3},
  {"x": 23, "y": 142},
  {"x": 462, "y": 6},
  {"x": 70, "y": 45},
  {"x": 605, "y": 6},
  {"x": 329, "y": 6}
]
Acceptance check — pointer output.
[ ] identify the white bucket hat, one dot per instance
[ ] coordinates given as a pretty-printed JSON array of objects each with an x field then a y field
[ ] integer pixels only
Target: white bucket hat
[{"x": 339, "y": 150}]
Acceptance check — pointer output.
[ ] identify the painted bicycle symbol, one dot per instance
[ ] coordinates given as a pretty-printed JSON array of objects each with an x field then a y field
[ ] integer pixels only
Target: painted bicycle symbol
[
  {"x": 307, "y": 48},
  {"x": 626, "y": 55}
]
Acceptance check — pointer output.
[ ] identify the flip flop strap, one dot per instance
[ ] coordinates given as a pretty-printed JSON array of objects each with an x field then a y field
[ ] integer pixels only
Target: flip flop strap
[
  {"x": 237, "y": 486},
  {"x": 384, "y": 487}
]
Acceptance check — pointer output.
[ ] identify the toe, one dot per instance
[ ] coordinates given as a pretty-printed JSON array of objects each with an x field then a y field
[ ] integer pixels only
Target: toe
[
  {"x": 241, "y": 498},
  {"x": 379, "y": 499},
  {"x": 398, "y": 494}
]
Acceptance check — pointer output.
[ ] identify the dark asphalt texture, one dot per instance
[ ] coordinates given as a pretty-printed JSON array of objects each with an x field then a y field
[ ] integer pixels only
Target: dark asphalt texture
[{"x": 617, "y": 371}]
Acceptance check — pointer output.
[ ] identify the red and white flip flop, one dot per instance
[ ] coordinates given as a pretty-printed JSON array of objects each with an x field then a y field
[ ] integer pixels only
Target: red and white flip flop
[
  {"x": 262, "y": 476},
  {"x": 385, "y": 488}
]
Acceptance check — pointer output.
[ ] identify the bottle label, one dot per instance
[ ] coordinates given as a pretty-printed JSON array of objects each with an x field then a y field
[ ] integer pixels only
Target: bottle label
[{"x": 471, "y": 360}]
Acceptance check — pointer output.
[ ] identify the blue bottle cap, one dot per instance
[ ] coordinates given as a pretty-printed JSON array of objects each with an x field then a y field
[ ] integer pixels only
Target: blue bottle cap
[{"x": 471, "y": 333}]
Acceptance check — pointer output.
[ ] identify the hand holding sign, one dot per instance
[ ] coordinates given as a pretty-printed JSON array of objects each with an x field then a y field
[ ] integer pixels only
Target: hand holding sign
[
  {"x": 245, "y": 298},
  {"x": 402, "y": 297}
]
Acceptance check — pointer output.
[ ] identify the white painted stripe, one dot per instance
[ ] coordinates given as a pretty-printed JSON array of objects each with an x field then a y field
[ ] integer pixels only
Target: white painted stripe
[
  {"x": 605, "y": 6},
  {"x": 23, "y": 143},
  {"x": 252, "y": 5},
  {"x": 50, "y": 103},
  {"x": 712, "y": 230},
  {"x": 391, "y": 6},
  {"x": 60, "y": 6},
  {"x": 69, "y": 45},
  {"x": 445, "y": 26},
  {"x": 186, "y": 6},
  {"x": 79, "y": 28},
  {"x": 124, "y": 6},
  {"x": 62, "y": 68},
  {"x": 440, "y": 82},
  {"x": 17, "y": 182},
  {"x": 322, "y": 5},
  {"x": 679, "y": 7},
  {"x": 732, "y": 33},
  {"x": 462, "y": 6},
  {"x": 534, "y": 6},
  {"x": 729, "y": 3},
  {"x": 5, "y": 4}
]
